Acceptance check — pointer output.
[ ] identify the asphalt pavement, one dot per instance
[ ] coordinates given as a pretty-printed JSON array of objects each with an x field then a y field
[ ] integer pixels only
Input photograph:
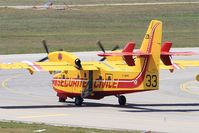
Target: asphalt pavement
[{"x": 173, "y": 108}]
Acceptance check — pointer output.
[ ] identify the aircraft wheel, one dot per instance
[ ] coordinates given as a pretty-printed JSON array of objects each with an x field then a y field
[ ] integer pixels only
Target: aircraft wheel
[
  {"x": 62, "y": 100},
  {"x": 122, "y": 100},
  {"x": 78, "y": 101}
]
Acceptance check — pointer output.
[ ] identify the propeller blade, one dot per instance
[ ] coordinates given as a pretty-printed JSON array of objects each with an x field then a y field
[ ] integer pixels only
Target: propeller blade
[
  {"x": 115, "y": 48},
  {"x": 61, "y": 49},
  {"x": 101, "y": 46},
  {"x": 104, "y": 58},
  {"x": 44, "y": 59},
  {"x": 45, "y": 46}
]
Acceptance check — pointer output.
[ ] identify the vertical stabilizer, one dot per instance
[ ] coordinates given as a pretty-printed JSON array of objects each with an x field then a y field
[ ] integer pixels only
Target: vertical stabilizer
[
  {"x": 149, "y": 65},
  {"x": 151, "y": 45}
]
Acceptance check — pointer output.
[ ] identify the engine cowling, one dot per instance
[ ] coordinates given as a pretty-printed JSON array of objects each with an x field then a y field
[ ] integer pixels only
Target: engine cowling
[{"x": 61, "y": 56}]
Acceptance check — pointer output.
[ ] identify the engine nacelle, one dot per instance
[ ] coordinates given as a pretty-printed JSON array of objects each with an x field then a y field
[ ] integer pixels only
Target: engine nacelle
[{"x": 61, "y": 56}]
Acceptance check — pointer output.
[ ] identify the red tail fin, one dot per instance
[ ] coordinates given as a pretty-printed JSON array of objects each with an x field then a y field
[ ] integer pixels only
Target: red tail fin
[
  {"x": 129, "y": 49},
  {"x": 166, "y": 54},
  {"x": 127, "y": 53},
  {"x": 166, "y": 48}
]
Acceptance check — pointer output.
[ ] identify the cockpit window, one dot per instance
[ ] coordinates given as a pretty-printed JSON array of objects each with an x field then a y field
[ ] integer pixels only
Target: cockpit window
[{"x": 100, "y": 77}]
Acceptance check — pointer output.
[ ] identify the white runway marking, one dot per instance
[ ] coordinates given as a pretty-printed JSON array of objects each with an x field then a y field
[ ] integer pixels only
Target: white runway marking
[
  {"x": 42, "y": 116},
  {"x": 132, "y": 4},
  {"x": 191, "y": 87}
]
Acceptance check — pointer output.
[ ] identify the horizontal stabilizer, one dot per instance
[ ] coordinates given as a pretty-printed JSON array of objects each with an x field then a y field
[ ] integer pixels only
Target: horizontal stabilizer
[
  {"x": 166, "y": 54},
  {"x": 127, "y": 51},
  {"x": 125, "y": 54},
  {"x": 165, "y": 50},
  {"x": 178, "y": 53}
]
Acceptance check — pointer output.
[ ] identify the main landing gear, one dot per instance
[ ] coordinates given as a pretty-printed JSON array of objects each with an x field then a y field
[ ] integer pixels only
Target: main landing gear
[
  {"x": 78, "y": 101},
  {"x": 121, "y": 100},
  {"x": 62, "y": 100}
]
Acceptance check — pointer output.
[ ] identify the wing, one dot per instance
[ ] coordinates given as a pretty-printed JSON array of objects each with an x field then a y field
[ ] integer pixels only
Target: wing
[
  {"x": 46, "y": 66},
  {"x": 180, "y": 64},
  {"x": 187, "y": 63}
]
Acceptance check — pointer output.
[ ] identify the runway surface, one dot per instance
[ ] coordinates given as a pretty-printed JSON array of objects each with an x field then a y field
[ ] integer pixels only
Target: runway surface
[
  {"x": 173, "y": 108},
  {"x": 62, "y": 7}
]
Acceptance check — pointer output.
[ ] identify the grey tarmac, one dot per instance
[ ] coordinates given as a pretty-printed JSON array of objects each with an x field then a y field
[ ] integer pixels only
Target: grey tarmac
[{"x": 173, "y": 108}]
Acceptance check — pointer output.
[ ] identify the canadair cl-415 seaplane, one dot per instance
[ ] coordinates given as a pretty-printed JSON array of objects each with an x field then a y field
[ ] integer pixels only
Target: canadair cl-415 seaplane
[{"x": 117, "y": 73}]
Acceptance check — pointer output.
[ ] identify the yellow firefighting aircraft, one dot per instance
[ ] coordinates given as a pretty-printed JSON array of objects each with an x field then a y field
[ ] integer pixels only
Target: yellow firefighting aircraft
[{"x": 118, "y": 72}]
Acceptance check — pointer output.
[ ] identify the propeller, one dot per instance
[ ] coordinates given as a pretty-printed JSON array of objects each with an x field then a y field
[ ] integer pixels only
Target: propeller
[
  {"x": 47, "y": 51},
  {"x": 101, "y": 46},
  {"x": 45, "y": 46},
  {"x": 115, "y": 48},
  {"x": 43, "y": 59},
  {"x": 61, "y": 49},
  {"x": 103, "y": 50}
]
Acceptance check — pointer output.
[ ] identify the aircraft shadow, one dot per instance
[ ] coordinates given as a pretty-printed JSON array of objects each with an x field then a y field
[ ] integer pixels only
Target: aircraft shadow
[{"x": 176, "y": 107}]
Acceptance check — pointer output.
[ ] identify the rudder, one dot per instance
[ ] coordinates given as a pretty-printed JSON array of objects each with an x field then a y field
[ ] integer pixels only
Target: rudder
[
  {"x": 152, "y": 44},
  {"x": 149, "y": 64}
]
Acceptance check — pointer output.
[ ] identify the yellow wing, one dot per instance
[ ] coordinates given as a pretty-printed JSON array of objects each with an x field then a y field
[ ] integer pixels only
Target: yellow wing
[
  {"x": 187, "y": 63},
  {"x": 46, "y": 66},
  {"x": 180, "y": 64}
]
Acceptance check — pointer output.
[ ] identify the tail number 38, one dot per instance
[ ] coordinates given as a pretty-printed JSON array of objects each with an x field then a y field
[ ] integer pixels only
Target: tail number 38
[{"x": 151, "y": 80}]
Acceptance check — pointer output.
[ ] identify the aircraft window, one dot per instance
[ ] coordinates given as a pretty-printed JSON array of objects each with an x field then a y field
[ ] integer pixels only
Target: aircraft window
[
  {"x": 85, "y": 75},
  {"x": 100, "y": 77}
]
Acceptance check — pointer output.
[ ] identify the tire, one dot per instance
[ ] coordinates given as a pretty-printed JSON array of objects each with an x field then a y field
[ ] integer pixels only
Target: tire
[
  {"x": 78, "y": 101},
  {"x": 122, "y": 100},
  {"x": 62, "y": 100}
]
